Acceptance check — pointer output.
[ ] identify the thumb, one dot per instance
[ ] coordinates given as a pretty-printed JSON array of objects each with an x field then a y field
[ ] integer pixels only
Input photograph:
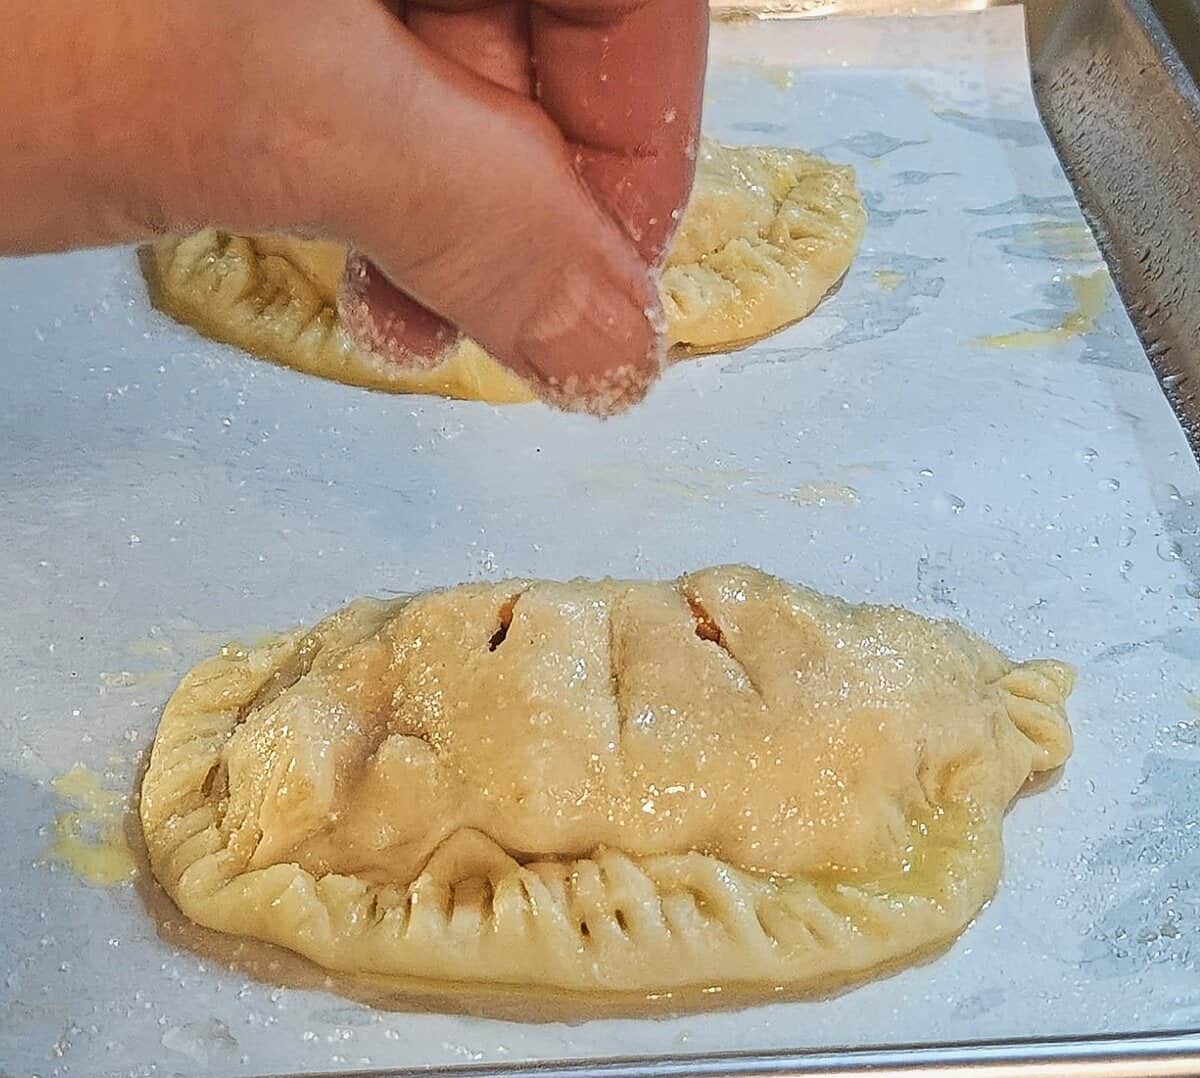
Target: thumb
[{"x": 463, "y": 201}]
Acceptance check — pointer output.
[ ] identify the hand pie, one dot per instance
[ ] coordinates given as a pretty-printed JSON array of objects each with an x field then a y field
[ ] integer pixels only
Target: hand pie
[
  {"x": 600, "y": 786},
  {"x": 767, "y": 233}
]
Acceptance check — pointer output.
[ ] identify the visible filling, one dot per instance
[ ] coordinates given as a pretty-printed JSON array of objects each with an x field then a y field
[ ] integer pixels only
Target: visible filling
[
  {"x": 706, "y": 628},
  {"x": 504, "y": 620}
]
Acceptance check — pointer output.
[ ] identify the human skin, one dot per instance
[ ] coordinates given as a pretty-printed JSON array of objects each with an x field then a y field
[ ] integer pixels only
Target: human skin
[{"x": 511, "y": 171}]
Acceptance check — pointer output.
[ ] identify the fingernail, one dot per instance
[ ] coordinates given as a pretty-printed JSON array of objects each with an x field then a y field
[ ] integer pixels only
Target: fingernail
[{"x": 593, "y": 345}]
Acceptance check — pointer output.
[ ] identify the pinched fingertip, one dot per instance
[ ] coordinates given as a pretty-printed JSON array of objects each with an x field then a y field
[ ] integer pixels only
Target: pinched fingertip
[
  {"x": 385, "y": 322},
  {"x": 602, "y": 395},
  {"x": 593, "y": 344}
]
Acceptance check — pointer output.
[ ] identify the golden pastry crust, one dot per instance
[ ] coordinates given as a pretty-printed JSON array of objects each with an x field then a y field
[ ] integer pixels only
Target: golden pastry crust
[
  {"x": 766, "y": 235},
  {"x": 600, "y": 786}
]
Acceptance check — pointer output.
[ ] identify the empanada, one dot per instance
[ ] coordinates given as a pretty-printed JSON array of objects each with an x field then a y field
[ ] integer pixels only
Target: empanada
[
  {"x": 600, "y": 786},
  {"x": 767, "y": 233}
]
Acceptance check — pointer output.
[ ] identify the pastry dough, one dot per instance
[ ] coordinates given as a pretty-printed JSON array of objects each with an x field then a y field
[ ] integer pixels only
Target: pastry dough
[
  {"x": 767, "y": 233},
  {"x": 600, "y": 785}
]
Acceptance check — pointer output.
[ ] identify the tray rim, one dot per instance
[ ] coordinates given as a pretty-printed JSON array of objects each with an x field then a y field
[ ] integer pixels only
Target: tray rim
[
  {"x": 732, "y": 10},
  {"x": 1166, "y": 1055}
]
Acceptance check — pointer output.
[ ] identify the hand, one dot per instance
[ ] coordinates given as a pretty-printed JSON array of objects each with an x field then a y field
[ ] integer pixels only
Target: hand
[{"x": 509, "y": 169}]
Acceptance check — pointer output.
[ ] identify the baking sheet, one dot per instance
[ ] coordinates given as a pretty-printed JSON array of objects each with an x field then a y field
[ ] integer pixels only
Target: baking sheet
[
  {"x": 969, "y": 427},
  {"x": 1116, "y": 82}
]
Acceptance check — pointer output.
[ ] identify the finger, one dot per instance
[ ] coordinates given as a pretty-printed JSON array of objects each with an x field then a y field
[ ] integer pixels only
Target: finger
[
  {"x": 491, "y": 40},
  {"x": 385, "y": 322},
  {"x": 623, "y": 80},
  {"x": 465, "y": 197}
]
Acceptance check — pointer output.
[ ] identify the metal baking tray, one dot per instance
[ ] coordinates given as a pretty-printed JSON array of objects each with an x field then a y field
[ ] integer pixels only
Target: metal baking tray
[{"x": 970, "y": 427}]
